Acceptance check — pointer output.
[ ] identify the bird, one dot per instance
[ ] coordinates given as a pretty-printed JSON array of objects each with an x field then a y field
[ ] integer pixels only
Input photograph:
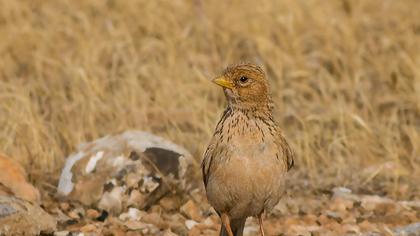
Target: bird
[{"x": 246, "y": 161}]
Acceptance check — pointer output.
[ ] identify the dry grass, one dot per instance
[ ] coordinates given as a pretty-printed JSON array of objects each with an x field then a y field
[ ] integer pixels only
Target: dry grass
[{"x": 345, "y": 76}]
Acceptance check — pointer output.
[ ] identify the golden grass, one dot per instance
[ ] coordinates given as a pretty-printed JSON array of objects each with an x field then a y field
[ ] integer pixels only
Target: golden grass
[{"x": 345, "y": 75}]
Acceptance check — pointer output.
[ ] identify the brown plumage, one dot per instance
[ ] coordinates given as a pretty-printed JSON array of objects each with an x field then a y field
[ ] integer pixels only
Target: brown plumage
[{"x": 245, "y": 163}]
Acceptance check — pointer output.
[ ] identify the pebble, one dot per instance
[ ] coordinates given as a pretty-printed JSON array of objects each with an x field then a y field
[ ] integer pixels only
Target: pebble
[
  {"x": 92, "y": 214},
  {"x": 190, "y": 224},
  {"x": 64, "y": 206},
  {"x": 61, "y": 233},
  {"x": 191, "y": 210},
  {"x": 88, "y": 228},
  {"x": 73, "y": 215}
]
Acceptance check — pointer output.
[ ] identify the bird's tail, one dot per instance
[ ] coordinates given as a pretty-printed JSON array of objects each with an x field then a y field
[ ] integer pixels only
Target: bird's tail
[{"x": 237, "y": 226}]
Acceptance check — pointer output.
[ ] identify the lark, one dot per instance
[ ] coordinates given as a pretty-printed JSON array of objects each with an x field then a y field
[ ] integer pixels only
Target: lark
[{"x": 246, "y": 161}]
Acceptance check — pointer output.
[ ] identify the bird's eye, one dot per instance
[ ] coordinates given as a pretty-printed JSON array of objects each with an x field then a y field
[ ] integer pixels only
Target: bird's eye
[{"x": 243, "y": 79}]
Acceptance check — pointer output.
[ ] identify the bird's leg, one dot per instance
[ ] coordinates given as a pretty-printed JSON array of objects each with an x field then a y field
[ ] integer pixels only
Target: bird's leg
[
  {"x": 226, "y": 222},
  {"x": 260, "y": 220}
]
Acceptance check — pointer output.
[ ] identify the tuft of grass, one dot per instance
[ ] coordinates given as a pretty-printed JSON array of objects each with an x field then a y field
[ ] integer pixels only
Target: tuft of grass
[{"x": 345, "y": 76}]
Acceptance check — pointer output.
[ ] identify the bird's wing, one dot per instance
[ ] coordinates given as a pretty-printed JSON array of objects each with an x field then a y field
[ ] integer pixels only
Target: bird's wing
[
  {"x": 207, "y": 162},
  {"x": 286, "y": 151}
]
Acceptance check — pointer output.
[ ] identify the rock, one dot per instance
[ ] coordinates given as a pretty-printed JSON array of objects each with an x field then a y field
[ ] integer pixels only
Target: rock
[
  {"x": 65, "y": 206},
  {"x": 88, "y": 228},
  {"x": 155, "y": 219},
  {"x": 177, "y": 223},
  {"x": 191, "y": 211},
  {"x": 341, "y": 191},
  {"x": 73, "y": 215},
  {"x": 344, "y": 193},
  {"x": 61, "y": 233},
  {"x": 366, "y": 226},
  {"x": 251, "y": 230},
  {"x": 136, "y": 198},
  {"x": 114, "y": 231},
  {"x": 112, "y": 201},
  {"x": 412, "y": 229},
  {"x": 190, "y": 224},
  {"x": 92, "y": 213},
  {"x": 136, "y": 225},
  {"x": 132, "y": 214},
  {"x": 350, "y": 229},
  {"x": 169, "y": 203},
  {"x": 168, "y": 233},
  {"x": 20, "y": 217},
  {"x": 13, "y": 180},
  {"x": 341, "y": 204},
  {"x": 299, "y": 230},
  {"x": 370, "y": 203},
  {"x": 59, "y": 216},
  {"x": 132, "y": 169},
  {"x": 334, "y": 215}
]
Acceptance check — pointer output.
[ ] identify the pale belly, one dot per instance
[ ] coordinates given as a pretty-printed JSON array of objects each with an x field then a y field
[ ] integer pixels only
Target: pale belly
[{"x": 245, "y": 187}]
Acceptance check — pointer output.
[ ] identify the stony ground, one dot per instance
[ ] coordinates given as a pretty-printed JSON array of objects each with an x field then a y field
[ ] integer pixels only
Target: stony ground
[
  {"x": 116, "y": 189},
  {"x": 303, "y": 211}
]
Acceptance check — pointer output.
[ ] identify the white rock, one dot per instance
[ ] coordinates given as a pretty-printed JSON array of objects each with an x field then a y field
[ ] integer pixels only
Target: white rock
[
  {"x": 61, "y": 233},
  {"x": 412, "y": 229},
  {"x": 92, "y": 162},
  {"x": 190, "y": 224},
  {"x": 132, "y": 214},
  {"x": 65, "y": 185}
]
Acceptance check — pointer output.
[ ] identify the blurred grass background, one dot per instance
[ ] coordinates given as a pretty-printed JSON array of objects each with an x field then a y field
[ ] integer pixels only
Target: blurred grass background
[{"x": 345, "y": 76}]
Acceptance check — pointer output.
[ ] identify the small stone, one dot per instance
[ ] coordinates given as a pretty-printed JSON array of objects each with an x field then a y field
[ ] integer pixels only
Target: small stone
[
  {"x": 88, "y": 228},
  {"x": 135, "y": 225},
  {"x": 366, "y": 226},
  {"x": 64, "y": 206},
  {"x": 112, "y": 201},
  {"x": 155, "y": 219},
  {"x": 20, "y": 217},
  {"x": 92, "y": 214},
  {"x": 132, "y": 179},
  {"x": 115, "y": 231},
  {"x": 168, "y": 233},
  {"x": 370, "y": 203},
  {"x": 299, "y": 230},
  {"x": 412, "y": 229},
  {"x": 149, "y": 184},
  {"x": 136, "y": 198},
  {"x": 350, "y": 229},
  {"x": 169, "y": 203},
  {"x": 310, "y": 219},
  {"x": 136, "y": 233},
  {"x": 334, "y": 215},
  {"x": 176, "y": 223},
  {"x": 191, "y": 211},
  {"x": 190, "y": 224},
  {"x": 341, "y": 204},
  {"x": 251, "y": 230},
  {"x": 340, "y": 191},
  {"x": 73, "y": 215},
  {"x": 132, "y": 214},
  {"x": 13, "y": 177},
  {"x": 208, "y": 221},
  {"x": 61, "y": 233},
  {"x": 324, "y": 219},
  {"x": 80, "y": 211},
  {"x": 59, "y": 215}
]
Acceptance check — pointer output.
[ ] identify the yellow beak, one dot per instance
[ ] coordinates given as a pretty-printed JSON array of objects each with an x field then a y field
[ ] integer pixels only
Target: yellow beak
[{"x": 222, "y": 81}]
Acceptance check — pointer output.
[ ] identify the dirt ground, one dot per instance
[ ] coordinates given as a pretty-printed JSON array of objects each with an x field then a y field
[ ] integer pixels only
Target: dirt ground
[{"x": 308, "y": 208}]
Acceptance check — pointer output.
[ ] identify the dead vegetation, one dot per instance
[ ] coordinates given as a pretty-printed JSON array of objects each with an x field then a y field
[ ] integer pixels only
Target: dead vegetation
[{"x": 344, "y": 74}]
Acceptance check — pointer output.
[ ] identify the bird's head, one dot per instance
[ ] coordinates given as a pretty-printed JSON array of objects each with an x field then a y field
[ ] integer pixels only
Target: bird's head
[{"x": 245, "y": 85}]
